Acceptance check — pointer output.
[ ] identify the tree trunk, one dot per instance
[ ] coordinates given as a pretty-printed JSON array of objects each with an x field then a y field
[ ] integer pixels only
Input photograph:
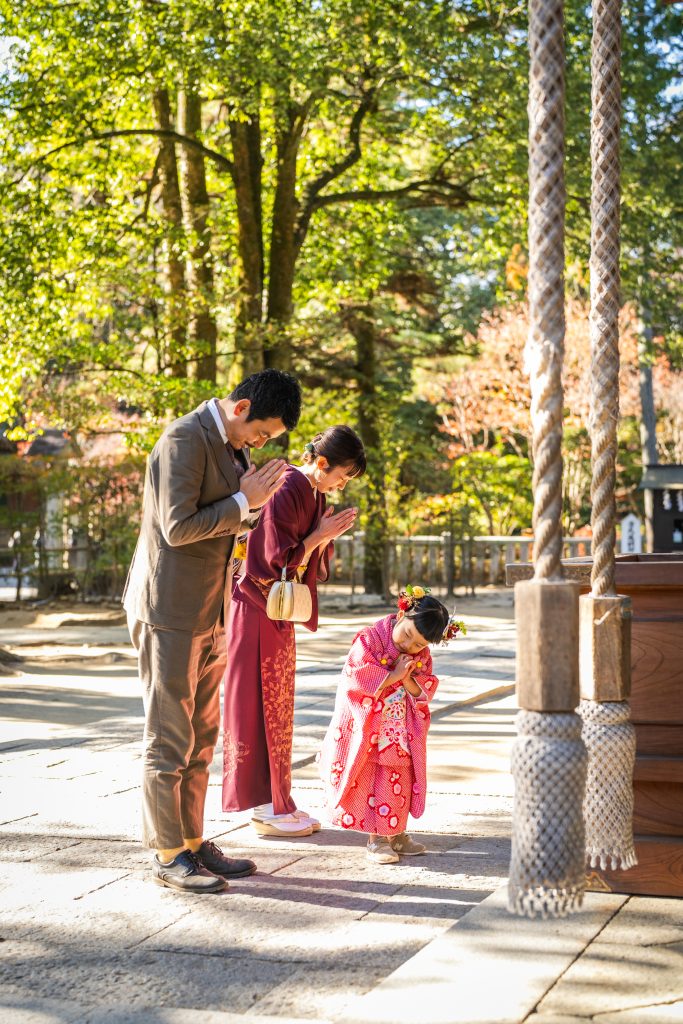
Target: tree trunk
[
  {"x": 648, "y": 417},
  {"x": 247, "y": 162},
  {"x": 195, "y": 202},
  {"x": 283, "y": 250},
  {"x": 175, "y": 354},
  {"x": 359, "y": 322}
]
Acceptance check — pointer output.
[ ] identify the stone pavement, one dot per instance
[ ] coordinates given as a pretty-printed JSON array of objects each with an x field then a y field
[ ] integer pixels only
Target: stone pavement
[{"x": 318, "y": 934}]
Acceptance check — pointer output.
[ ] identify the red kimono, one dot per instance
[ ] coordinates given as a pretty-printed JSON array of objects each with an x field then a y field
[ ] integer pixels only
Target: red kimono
[
  {"x": 373, "y": 762},
  {"x": 258, "y": 710}
]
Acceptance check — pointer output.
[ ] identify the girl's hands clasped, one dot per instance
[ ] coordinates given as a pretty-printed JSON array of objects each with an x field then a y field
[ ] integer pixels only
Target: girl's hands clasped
[{"x": 403, "y": 667}]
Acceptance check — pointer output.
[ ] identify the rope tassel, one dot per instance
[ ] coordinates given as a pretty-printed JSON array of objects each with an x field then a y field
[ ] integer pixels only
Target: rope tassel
[
  {"x": 610, "y": 740},
  {"x": 547, "y": 870}
]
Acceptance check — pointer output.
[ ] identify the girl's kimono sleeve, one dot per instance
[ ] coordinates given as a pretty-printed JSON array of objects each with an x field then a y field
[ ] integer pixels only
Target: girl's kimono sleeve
[
  {"x": 417, "y": 723},
  {"x": 426, "y": 680},
  {"x": 364, "y": 664}
]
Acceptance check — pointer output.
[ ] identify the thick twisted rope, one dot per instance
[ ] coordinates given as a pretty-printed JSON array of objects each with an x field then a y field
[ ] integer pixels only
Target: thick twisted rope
[
  {"x": 545, "y": 350},
  {"x": 605, "y": 289},
  {"x": 548, "y": 757},
  {"x": 609, "y": 736}
]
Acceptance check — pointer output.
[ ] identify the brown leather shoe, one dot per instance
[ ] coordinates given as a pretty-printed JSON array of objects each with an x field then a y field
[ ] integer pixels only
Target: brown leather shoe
[
  {"x": 214, "y": 860},
  {"x": 186, "y": 872}
]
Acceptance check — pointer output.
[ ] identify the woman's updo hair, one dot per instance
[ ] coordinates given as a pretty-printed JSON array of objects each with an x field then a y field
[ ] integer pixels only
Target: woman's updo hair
[
  {"x": 341, "y": 446},
  {"x": 430, "y": 618}
]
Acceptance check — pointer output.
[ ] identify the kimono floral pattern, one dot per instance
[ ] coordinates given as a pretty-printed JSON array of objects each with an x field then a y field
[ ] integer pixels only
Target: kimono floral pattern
[
  {"x": 378, "y": 802},
  {"x": 277, "y": 678},
  {"x": 234, "y": 752},
  {"x": 373, "y": 758},
  {"x": 393, "y": 728}
]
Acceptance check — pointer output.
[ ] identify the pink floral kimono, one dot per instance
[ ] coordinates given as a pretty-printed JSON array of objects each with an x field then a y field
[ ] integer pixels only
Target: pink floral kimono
[{"x": 373, "y": 761}]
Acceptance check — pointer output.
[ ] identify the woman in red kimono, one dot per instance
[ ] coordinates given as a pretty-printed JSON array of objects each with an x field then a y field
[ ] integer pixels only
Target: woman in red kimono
[
  {"x": 373, "y": 758},
  {"x": 295, "y": 530}
]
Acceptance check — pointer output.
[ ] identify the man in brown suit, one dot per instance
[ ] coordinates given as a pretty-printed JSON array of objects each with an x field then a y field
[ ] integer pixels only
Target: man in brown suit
[{"x": 200, "y": 491}]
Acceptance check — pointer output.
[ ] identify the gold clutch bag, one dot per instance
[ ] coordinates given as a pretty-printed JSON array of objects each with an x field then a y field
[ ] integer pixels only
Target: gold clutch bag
[{"x": 289, "y": 600}]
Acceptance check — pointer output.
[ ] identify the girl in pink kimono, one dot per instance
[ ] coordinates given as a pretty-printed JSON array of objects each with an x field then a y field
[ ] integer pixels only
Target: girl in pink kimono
[{"x": 373, "y": 759}]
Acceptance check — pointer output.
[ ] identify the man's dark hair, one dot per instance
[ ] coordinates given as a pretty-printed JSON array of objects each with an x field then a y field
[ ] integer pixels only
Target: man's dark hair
[
  {"x": 430, "y": 618},
  {"x": 273, "y": 394}
]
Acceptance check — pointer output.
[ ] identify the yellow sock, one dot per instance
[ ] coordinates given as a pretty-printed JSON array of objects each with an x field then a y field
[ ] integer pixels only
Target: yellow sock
[
  {"x": 166, "y": 856},
  {"x": 194, "y": 844}
]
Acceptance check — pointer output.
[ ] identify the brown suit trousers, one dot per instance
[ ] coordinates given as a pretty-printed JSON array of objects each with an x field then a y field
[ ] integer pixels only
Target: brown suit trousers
[{"x": 181, "y": 675}]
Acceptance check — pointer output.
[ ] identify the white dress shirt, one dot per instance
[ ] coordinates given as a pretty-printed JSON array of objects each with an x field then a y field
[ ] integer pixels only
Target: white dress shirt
[{"x": 239, "y": 497}]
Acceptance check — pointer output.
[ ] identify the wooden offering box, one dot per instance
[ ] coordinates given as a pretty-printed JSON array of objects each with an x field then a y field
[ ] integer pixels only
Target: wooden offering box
[{"x": 655, "y": 585}]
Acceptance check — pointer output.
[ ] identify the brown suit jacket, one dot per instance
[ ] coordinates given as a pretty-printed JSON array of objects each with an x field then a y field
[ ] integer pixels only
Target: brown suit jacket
[{"x": 182, "y": 567}]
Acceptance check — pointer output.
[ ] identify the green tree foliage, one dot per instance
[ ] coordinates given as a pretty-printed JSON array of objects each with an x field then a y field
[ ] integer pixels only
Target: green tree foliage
[
  {"x": 194, "y": 190},
  {"x": 167, "y": 164}
]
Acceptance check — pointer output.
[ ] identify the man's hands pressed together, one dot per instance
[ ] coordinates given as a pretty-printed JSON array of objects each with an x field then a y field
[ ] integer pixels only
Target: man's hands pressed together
[{"x": 257, "y": 485}]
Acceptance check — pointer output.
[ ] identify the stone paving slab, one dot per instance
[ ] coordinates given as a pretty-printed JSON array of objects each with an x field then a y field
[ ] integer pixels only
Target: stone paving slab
[
  {"x": 168, "y": 1015},
  {"x": 441, "y": 871},
  {"x": 30, "y": 1010},
  {"x": 318, "y": 928},
  {"x": 51, "y": 1011},
  {"x": 659, "y": 1013},
  {"x": 142, "y": 978},
  {"x": 300, "y": 927},
  {"x": 114, "y": 816},
  {"x": 115, "y": 917},
  {"x": 616, "y": 977},
  {"x": 313, "y": 993},
  {"x": 25, "y": 847},
  {"x": 489, "y": 968},
  {"x": 76, "y": 762},
  {"x": 69, "y": 636},
  {"x": 49, "y": 884},
  {"x": 655, "y": 919}
]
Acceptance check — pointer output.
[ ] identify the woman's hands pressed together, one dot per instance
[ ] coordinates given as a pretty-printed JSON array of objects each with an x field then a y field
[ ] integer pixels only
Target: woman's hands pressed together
[{"x": 333, "y": 524}]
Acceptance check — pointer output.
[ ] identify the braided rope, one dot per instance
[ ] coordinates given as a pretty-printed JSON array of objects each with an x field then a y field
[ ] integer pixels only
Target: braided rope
[
  {"x": 545, "y": 348},
  {"x": 547, "y": 875},
  {"x": 610, "y": 741},
  {"x": 605, "y": 286},
  {"x": 548, "y": 758}
]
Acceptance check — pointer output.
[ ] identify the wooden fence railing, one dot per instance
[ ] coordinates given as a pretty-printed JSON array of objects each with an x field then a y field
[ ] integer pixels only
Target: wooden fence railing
[{"x": 443, "y": 561}]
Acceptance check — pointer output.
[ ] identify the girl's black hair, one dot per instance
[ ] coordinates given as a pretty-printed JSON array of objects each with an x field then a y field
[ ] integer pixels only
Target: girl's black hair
[
  {"x": 273, "y": 394},
  {"x": 341, "y": 446},
  {"x": 430, "y": 618}
]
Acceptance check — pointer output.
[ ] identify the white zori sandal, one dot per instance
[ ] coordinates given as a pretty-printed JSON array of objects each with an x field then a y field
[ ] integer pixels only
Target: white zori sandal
[{"x": 294, "y": 825}]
